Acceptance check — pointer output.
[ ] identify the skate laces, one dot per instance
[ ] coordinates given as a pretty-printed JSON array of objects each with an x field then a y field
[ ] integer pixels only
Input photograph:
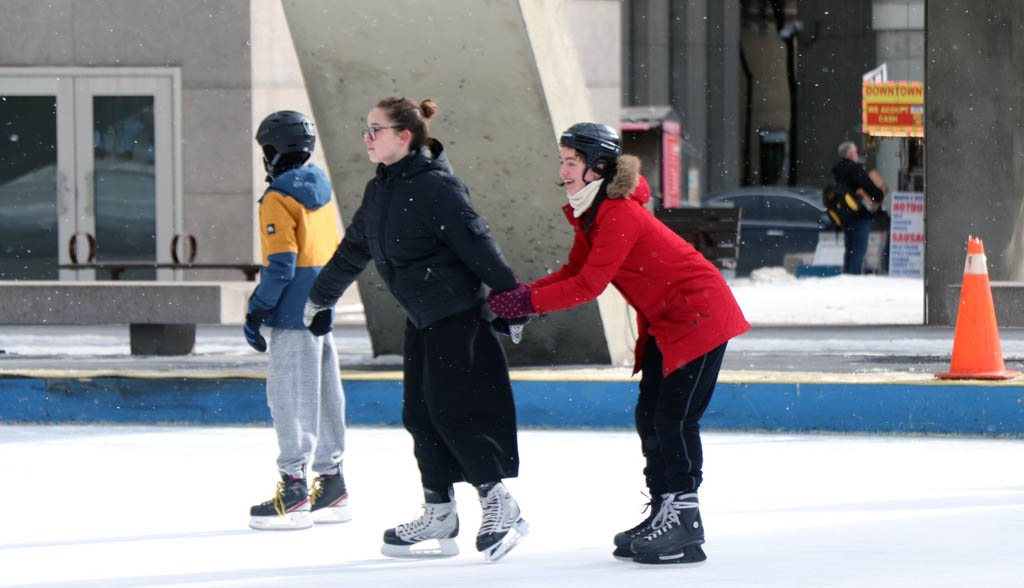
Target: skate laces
[
  {"x": 318, "y": 490},
  {"x": 649, "y": 505},
  {"x": 417, "y": 526},
  {"x": 278, "y": 499},
  {"x": 668, "y": 514},
  {"x": 495, "y": 506}
]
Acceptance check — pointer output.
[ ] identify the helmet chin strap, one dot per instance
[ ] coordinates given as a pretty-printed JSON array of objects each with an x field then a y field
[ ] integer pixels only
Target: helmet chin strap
[
  {"x": 268, "y": 165},
  {"x": 600, "y": 176}
]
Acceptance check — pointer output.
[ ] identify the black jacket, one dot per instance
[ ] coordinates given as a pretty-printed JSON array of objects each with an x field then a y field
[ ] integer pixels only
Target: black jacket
[
  {"x": 431, "y": 248},
  {"x": 852, "y": 175}
]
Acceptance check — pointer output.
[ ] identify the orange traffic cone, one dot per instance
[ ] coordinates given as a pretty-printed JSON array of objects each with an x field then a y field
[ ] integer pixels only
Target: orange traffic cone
[{"x": 977, "y": 354}]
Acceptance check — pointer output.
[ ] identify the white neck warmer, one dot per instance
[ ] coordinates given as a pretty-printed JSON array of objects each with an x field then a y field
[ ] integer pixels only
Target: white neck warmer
[{"x": 582, "y": 200}]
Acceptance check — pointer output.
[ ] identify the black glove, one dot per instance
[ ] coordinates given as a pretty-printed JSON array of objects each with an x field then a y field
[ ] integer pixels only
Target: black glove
[
  {"x": 251, "y": 330},
  {"x": 318, "y": 319},
  {"x": 502, "y": 325}
]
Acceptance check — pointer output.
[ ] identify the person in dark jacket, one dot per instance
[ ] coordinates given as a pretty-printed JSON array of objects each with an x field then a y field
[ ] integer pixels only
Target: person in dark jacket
[
  {"x": 298, "y": 233},
  {"x": 850, "y": 174},
  {"x": 436, "y": 255},
  {"x": 685, "y": 315}
]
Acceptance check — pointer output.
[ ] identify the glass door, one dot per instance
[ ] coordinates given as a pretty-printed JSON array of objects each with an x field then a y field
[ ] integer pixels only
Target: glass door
[
  {"x": 36, "y": 176},
  {"x": 87, "y": 173},
  {"x": 124, "y": 182}
]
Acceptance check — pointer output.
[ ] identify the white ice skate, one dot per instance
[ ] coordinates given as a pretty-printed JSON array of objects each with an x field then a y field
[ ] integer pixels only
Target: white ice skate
[
  {"x": 502, "y": 527},
  {"x": 430, "y": 535}
]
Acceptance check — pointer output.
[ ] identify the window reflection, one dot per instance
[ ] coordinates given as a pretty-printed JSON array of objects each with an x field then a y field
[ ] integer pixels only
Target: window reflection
[
  {"x": 125, "y": 181},
  {"x": 28, "y": 188}
]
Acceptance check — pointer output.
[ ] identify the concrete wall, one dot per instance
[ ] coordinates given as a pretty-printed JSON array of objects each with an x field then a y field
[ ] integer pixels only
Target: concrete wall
[
  {"x": 277, "y": 84},
  {"x": 596, "y": 32},
  {"x": 974, "y": 132},
  {"x": 502, "y": 76},
  {"x": 209, "y": 41}
]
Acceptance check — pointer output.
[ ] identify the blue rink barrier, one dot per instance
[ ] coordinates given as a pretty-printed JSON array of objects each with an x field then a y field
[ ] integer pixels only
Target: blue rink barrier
[{"x": 969, "y": 408}]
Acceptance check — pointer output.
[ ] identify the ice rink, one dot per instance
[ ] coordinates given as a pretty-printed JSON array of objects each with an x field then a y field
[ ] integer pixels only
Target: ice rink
[{"x": 168, "y": 506}]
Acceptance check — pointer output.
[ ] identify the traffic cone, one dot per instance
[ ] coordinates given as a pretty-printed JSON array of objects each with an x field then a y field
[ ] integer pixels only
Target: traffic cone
[{"x": 977, "y": 354}]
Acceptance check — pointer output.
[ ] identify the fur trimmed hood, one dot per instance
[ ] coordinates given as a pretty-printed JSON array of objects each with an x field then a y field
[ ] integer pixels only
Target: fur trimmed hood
[{"x": 627, "y": 181}]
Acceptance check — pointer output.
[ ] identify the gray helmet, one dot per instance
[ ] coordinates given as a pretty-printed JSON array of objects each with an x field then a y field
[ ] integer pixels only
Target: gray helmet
[
  {"x": 287, "y": 138},
  {"x": 598, "y": 143}
]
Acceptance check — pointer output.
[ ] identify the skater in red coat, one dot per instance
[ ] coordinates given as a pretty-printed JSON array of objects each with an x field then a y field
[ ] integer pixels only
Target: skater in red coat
[{"x": 685, "y": 314}]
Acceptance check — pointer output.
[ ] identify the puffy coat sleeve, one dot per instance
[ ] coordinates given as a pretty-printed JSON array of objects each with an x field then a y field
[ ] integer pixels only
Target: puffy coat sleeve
[
  {"x": 577, "y": 257},
  {"x": 280, "y": 248},
  {"x": 349, "y": 260},
  {"x": 615, "y": 232},
  {"x": 468, "y": 236}
]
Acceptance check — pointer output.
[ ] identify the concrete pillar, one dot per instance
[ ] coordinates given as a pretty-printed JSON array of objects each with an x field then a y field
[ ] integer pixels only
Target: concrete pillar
[
  {"x": 648, "y": 63},
  {"x": 724, "y": 110},
  {"x": 836, "y": 48},
  {"x": 506, "y": 78},
  {"x": 974, "y": 138},
  {"x": 690, "y": 38}
]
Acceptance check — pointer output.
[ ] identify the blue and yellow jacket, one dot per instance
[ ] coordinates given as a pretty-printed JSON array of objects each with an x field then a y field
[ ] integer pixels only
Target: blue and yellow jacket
[{"x": 298, "y": 235}]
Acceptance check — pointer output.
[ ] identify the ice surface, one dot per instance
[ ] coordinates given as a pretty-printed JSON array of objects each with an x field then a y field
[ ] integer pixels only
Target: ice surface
[{"x": 168, "y": 506}]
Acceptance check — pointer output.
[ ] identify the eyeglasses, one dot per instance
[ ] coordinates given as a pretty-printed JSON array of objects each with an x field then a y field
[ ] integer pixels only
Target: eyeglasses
[{"x": 371, "y": 132}]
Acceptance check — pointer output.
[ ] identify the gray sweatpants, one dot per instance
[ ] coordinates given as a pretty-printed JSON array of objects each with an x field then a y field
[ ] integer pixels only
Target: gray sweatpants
[{"x": 306, "y": 401}]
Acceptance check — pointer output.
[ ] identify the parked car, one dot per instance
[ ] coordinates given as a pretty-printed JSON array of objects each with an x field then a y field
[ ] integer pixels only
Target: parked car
[{"x": 775, "y": 221}]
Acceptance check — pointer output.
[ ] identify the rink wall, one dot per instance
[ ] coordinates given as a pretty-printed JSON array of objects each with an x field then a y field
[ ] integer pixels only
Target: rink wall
[{"x": 770, "y": 403}]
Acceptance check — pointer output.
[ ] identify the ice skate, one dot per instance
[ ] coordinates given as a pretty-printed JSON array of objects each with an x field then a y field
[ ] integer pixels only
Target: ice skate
[
  {"x": 676, "y": 533},
  {"x": 501, "y": 528},
  {"x": 288, "y": 509},
  {"x": 329, "y": 499},
  {"x": 625, "y": 538},
  {"x": 431, "y": 535}
]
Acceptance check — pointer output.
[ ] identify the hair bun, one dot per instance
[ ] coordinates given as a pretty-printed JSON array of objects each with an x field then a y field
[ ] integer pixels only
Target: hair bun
[{"x": 428, "y": 108}]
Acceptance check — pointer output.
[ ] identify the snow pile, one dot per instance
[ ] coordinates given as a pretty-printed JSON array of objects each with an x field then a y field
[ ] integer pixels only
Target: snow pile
[{"x": 773, "y": 297}]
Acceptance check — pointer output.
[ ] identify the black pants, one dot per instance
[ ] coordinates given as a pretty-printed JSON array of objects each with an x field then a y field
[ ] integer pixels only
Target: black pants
[
  {"x": 458, "y": 403},
  {"x": 668, "y": 412}
]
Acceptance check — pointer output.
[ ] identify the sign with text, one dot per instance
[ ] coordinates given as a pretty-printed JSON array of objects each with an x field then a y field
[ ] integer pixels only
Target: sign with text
[
  {"x": 671, "y": 162},
  {"x": 906, "y": 235},
  {"x": 893, "y": 109}
]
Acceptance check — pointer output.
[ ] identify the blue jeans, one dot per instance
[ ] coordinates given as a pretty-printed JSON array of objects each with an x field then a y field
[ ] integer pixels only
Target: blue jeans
[{"x": 856, "y": 234}]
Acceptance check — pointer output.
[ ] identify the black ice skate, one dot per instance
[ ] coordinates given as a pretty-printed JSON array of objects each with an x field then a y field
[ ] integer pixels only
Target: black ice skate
[
  {"x": 676, "y": 533},
  {"x": 431, "y": 535},
  {"x": 329, "y": 499},
  {"x": 623, "y": 540},
  {"x": 288, "y": 509},
  {"x": 501, "y": 528}
]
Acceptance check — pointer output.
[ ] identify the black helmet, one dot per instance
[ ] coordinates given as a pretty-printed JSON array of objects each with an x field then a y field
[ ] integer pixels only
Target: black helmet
[
  {"x": 600, "y": 144},
  {"x": 287, "y": 138}
]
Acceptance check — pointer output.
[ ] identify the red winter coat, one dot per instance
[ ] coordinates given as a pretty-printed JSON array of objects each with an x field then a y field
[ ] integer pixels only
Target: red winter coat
[{"x": 680, "y": 298}]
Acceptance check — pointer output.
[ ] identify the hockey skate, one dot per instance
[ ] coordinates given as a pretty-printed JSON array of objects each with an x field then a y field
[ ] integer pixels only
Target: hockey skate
[
  {"x": 676, "y": 533},
  {"x": 329, "y": 500},
  {"x": 625, "y": 538},
  {"x": 288, "y": 509},
  {"x": 431, "y": 535},
  {"x": 501, "y": 528}
]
